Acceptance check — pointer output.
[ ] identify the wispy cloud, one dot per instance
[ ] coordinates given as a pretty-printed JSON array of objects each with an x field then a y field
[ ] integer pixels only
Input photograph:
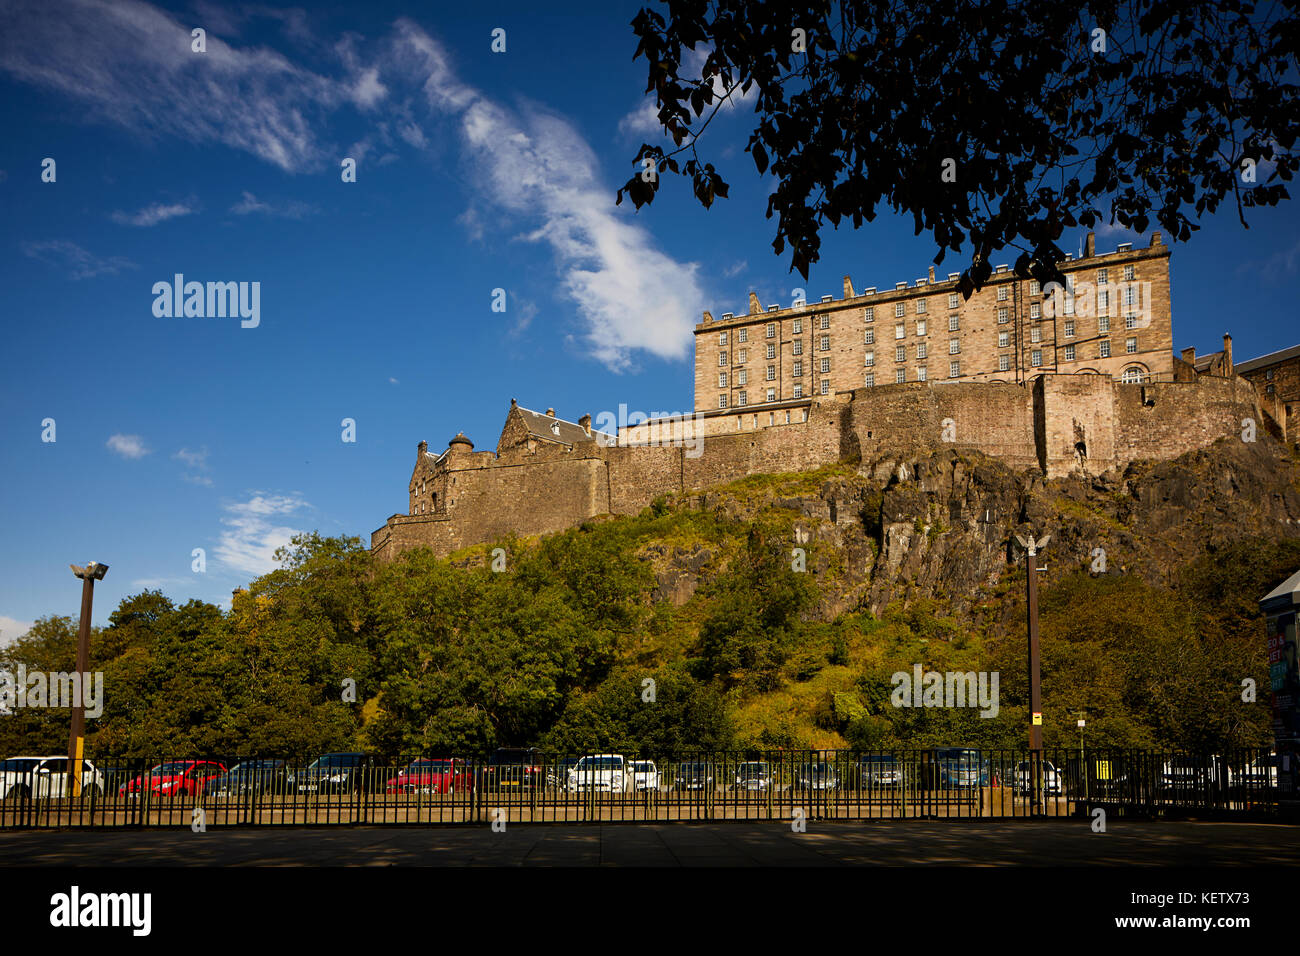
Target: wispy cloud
[
  {"x": 1284, "y": 262},
  {"x": 252, "y": 534},
  {"x": 79, "y": 263},
  {"x": 644, "y": 122},
  {"x": 735, "y": 269},
  {"x": 197, "y": 462},
  {"x": 128, "y": 446},
  {"x": 11, "y": 629},
  {"x": 535, "y": 164},
  {"x": 155, "y": 213},
  {"x": 290, "y": 209}
]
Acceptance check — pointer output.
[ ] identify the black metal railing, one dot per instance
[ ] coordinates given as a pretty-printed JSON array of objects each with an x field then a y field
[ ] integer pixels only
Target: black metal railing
[{"x": 936, "y": 783}]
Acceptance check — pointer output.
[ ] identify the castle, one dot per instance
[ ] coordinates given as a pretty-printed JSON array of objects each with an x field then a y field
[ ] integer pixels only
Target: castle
[{"x": 1074, "y": 380}]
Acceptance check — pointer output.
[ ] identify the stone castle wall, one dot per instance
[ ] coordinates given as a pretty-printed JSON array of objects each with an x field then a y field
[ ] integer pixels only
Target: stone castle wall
[{"x": 1058, "y": 424}]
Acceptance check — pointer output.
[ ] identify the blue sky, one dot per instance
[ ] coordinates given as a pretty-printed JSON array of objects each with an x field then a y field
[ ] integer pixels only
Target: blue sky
[{"x": 475, "y": 171}]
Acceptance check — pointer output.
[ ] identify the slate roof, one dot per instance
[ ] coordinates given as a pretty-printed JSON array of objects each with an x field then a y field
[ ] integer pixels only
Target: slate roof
[
  {"x": 546, "y": 428},
  {"x": 1272, "y": 358}
]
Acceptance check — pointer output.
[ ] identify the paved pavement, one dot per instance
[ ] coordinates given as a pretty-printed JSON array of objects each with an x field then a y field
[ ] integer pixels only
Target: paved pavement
[{"x": 974, "y": 842}]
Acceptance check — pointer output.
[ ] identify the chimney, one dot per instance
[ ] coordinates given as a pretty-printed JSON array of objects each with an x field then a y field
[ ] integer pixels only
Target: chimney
[
  {"x": 931, "y": 275},
  {"x": 550, "y": 413},
  {"x": 1227, "y": 354},
  {"x": 755, "y": 306},
  {"x": 848, "y": 288},
  {"x": 423, "y": 448},
  {"x": 1090, "y": 246},
  {"x": 513, "y": 403},
  {"x": 1189, "y": 356},
  {"x": 708, "y": 316},
  {"x": 1157, "y": 239},
  {"x": 585, "y": 422}
]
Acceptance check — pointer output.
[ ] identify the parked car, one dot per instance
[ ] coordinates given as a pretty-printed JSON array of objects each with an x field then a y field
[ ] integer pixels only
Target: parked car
[
  {"x": 645, "y": 775},
  {"x": 753, "y": 775},
  {"x": 817, "y": 776},
  {"x": 436, "y": 775},
  {"x": 960, "y": 768},
  {"x": 600, "y": 772},
  {"x": 1258, "y": 774},
  {"x": 693, "y": 775},
  {"x": 250, "y": 776},
  {"x": 1051, "y": 777},
  {"x": 557, "y": 774},
  {"x": 514, "y": 768},
  {"x": 335, "y": 773},
  {"x": 879, "y": 771},
  {"x": 187, "y": 778},
  {"x": 22, "y": 778},
  {"x": 1189, "y": 774}
]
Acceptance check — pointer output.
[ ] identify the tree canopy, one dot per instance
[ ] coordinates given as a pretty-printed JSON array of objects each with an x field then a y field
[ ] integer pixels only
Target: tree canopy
[{"x": 992, "y": 123}]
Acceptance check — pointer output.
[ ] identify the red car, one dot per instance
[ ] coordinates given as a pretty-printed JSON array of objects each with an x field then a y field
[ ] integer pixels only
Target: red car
[
  {"x": 187, "y": 777},
  {"x": 437, "y": 775}
]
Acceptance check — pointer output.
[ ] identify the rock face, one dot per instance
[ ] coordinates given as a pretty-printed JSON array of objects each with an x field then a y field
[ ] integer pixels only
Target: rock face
[{"x": 943, "y": 526}]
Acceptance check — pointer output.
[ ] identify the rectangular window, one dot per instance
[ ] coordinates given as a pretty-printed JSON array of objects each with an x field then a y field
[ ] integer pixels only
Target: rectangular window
[
  {"x": 797, "y": 347},
  {"x": 1035, "y": 310},
  {"x": 870, "y": 379},
  {"x": 826, "y": 321},
  {"x": 722, "y": 401},
  {"x": 1003, "y": 316},
  {"x": 1003, "y": 290},
  {"x": 921, "y": 350},
  {"x": 920, "y": 306},
  {"x": 1130, "y": 295},
  {"x": 826, "y": 366},
  {"x": 1033, "y": 287},
  {"x": 900, "y": 375},
  {"x": 1036, "y": 334},
  {"x": 798, "y": 369},
  {"x": 742, "y": 377},
  {"x": 743, "y": 335},
  {"x": 1069, "y": 329},
  {"x": 953, "y": 300},
  {"x": 798, "y": 390},
  {"x": 1069, "y": 353},
  {"x": 722, "y": 358},
  {"x": 920, "y": 374},
  {"x": 1103, "y": 303},
  {"x": 954, "y": 369},
  {"x": 900, "y": 353},
  {"x": 871, "y": 359},
  {"x": 900, "y": 330},
  {"x": 1103, "y": 323},
  {"x": 771, "y": 351},
  {"x": 798, "y": 326},
  {"x": 920, "y": 327},
  {"x": 742, "y": 399},
  {"x": 1004, "y": 339},
  {"x": 1131, "y": 345},
  {"x": 722, "y": 380},
  {"x": 1128, "y": 273},
  {"x": 771, "y": 330},
  {"x": 722, "y": 338},
  {"x": 1004, "y": 362},
  {"x": 1036, "y": 358},
  {"x": 1102, "y": 276},
  {"x": 954, "y": 346},
  {"x": 744, "y": 357},
  {"x": 870, "y": 337},
  {"x": 771, "y": 397},
  {"x": 899, "y": 309},
  {"x": 1104, "y": 348},
  {"x": 826, "y": 343},
  {"x": 869, "y": 314},
  {"x": 826, "y": 386},
  {"x": 1130, "y": 321},
  {"x": 954, "y": 323},
  {"x": 771, "y": 373}
]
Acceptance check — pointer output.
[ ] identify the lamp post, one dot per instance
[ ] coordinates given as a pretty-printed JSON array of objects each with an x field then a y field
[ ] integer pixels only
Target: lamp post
[
  {"x": 1083, "y": 762},
  {"x": 1032, "y": 548},
  {"x": 92, "y": 572}
]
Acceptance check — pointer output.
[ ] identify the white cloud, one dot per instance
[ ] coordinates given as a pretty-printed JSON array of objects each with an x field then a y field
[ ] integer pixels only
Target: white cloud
[
  {"x": 153, "y": 214},
  {"x": 644, "y": 120},
  {"x": 11, "y": 629},
  {"x": 251, "y": 536},
  {"x": 80, "y": 263},
  {"x": 735, "y": 269},
  {"x": 291, "y": 209},
  {"x": 195, "y": 459},
  {"x": 128, "y": 446},
  {"x": 630, "y": 295}
]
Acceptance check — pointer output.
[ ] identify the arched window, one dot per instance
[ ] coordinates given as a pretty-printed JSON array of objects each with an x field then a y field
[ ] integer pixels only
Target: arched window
[{"x": 1134, "y": 375}]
